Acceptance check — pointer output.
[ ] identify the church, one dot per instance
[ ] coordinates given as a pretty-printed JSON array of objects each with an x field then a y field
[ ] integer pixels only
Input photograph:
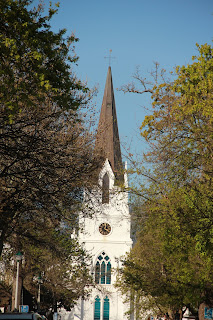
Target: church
[{"x": 106, "y": 235}]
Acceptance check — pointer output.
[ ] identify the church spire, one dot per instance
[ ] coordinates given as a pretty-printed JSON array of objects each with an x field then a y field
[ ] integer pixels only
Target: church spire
[{"x": 107, "y": 139}]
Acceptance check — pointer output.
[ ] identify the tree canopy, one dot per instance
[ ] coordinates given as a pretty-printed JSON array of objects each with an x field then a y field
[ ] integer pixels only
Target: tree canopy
[
  {"x": 35, "y": 61},
  {"x": 172, "y": 259},
  {"x": 46, "y": 148}
]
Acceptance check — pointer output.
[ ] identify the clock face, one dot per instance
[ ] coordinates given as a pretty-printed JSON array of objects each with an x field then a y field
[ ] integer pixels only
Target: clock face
[{"x": 104, "y": 228}]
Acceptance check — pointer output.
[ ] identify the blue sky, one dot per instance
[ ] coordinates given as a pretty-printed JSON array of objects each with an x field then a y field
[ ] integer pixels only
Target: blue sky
[{"x": 138, "y": 32}]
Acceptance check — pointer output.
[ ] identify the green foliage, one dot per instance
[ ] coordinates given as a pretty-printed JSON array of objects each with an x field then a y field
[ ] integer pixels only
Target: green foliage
[
  {"x": 172, "y": 260},
  {"x": 46, "y": 157},
  {"x": 180, "y": 127},
  {"x": 63, "y": 265},
  {"x": 46, "y": 152},
  {"x": 35, "y": 61}
]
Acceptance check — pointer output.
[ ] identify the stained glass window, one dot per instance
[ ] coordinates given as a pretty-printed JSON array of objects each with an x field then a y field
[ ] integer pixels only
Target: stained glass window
[
  {"x": 103, "y": 269},
  {"x": 97, "y": 311},
  {"x": 106, "y": 309}
]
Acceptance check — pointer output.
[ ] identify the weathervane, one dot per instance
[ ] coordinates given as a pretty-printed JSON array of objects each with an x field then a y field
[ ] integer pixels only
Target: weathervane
[{"x": 109, "y": 57}]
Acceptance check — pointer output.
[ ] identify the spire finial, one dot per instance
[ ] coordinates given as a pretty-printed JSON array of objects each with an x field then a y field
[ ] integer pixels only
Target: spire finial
[{"x": 109, "y": 57}]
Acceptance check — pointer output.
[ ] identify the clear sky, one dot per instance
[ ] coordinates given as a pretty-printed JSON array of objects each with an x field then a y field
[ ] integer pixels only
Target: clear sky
[{"x": 138, "y": 32}]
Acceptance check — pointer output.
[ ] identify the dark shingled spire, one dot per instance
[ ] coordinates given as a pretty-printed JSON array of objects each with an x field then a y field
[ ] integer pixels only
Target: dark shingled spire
[{"x": 107, "y": 139}]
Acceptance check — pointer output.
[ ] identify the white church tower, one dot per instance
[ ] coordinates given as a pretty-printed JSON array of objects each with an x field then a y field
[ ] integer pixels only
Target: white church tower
[{"x": 106, "y": 235}]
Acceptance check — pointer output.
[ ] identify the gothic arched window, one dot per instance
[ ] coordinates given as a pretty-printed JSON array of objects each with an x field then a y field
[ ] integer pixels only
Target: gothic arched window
[
  {"x": 105, "y": 189},
  {"x": 97, "y": 310},
  {"x": 103, "y": 269},
  {"x": 106, "y": 309}
]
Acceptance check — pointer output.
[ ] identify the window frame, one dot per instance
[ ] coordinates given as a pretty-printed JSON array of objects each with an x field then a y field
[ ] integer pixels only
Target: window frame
[{"x": 103, "y": 269}]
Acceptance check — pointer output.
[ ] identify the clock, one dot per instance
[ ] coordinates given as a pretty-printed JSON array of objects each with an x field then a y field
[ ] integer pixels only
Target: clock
[{"x": 104, "y": 228}]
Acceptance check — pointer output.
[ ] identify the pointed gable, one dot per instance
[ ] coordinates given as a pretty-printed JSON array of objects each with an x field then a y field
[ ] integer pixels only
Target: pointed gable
[{"x": 107, "y": 139}]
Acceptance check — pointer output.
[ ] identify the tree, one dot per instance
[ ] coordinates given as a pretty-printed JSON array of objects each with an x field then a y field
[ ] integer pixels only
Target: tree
[
  {"x": 165, "y": 268},
  {"x": 46, "y": 150},
  {"x": 64, "y": 270},
  {"x": 45, "y": 156},
  {"x": 46, "y": 147},
  {"x": 57, "y": 259},
  {"x": 35, "y": 61},
  {"x": 177, "y": 223}
]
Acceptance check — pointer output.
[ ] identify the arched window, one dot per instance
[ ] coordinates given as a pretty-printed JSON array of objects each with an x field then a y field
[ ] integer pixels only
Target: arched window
[
  {"x": 105, "y": 189},
  {"x": 97, "y": 310},
  {"x": 106, "y": 309},
  {"x": 103, "y": 269}
]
